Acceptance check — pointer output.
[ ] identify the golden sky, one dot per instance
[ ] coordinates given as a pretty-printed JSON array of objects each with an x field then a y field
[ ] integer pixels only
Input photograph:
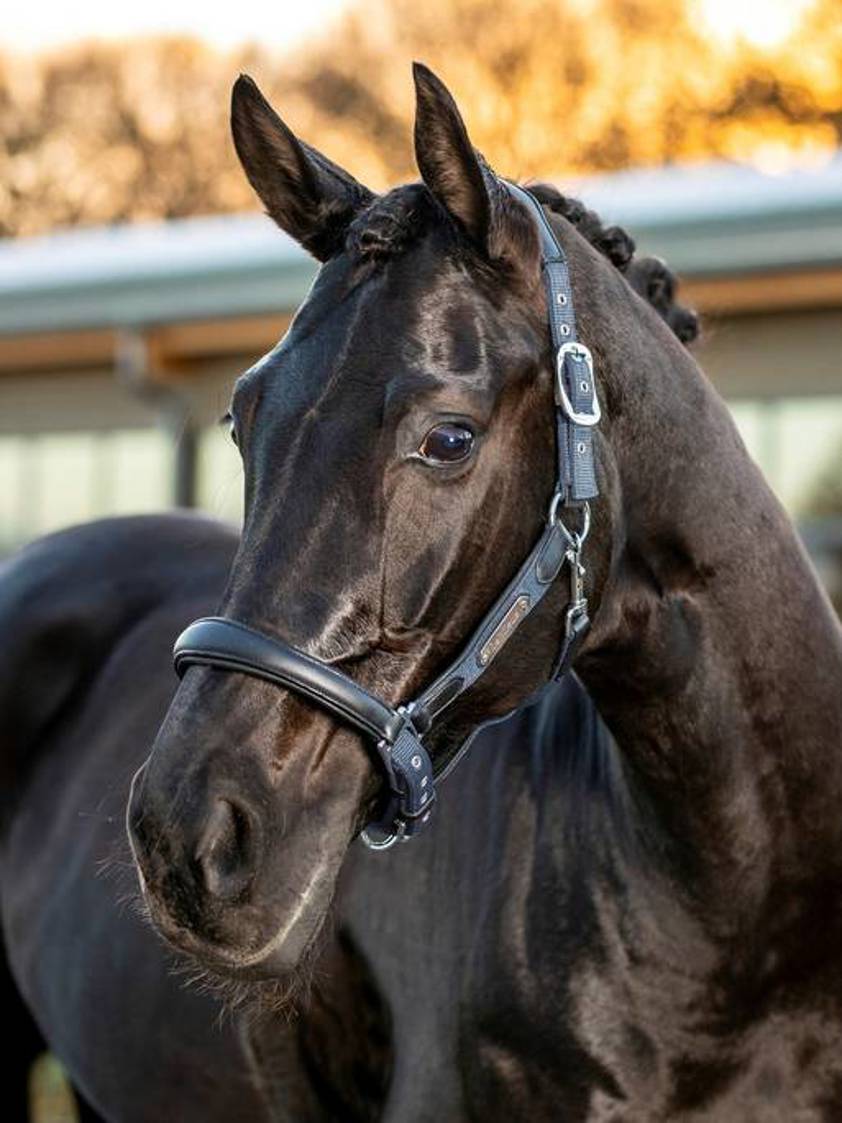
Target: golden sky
[
  {"x": 279, "y": 24},
  {"x": 763, "y": 23},
  {"x": 283, "y": 23}
]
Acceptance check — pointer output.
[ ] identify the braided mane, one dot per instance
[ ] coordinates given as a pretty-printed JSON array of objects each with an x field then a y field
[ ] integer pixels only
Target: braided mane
[
  {"x": 396, "y": 219},
  {"x": 650, "y": 277}
]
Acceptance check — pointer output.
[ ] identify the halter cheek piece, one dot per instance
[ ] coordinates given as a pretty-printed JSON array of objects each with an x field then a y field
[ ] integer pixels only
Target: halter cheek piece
[{"x": 397, "y": 733}]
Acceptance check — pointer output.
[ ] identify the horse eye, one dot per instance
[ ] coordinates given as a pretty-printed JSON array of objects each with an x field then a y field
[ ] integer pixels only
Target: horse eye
[{"x": 447, "y": 444}]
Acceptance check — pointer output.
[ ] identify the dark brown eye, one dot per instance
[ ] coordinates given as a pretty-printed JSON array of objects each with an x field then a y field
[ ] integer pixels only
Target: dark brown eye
[{"x": 447, "y": 444}]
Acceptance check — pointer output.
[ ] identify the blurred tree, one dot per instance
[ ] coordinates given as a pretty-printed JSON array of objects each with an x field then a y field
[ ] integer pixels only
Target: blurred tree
[
  {"x": 105, "y": 133},
  {"x": 549, "y": 86}
]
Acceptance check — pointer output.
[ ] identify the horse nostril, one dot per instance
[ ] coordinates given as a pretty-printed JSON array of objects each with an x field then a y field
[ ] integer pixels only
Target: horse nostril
[{"x": 225, "y": 851}]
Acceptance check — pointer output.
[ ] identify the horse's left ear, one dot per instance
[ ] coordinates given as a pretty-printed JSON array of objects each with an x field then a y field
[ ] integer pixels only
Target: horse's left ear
[
  {"x": 304, "y": 192},
  {"x": 462, "y": 181}
]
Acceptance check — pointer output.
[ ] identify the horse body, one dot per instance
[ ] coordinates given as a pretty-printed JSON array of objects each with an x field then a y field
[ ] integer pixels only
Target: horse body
[
  {"x": 92, "y": 612},
  {"x": 83, "y": 957},
  {"x": 503, "y": 944},
  {"x": 626, "y": 927},
  {"x": 111, "y": 597},
  {"x": 528, "y": 958},
  {"x": 569, "y": 971}
]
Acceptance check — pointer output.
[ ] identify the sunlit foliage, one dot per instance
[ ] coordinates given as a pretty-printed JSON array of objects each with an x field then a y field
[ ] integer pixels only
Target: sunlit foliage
[{"x": 105, "y": 133}]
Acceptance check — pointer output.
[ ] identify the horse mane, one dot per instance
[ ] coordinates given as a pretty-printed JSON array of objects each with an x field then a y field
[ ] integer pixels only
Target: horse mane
[
  {"x": 396, "y": 219},
  {"x": 650, "y": 277}
]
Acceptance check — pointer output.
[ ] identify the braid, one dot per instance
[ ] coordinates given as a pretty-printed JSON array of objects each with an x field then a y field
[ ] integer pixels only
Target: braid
[{"x": 648, "y": 276}]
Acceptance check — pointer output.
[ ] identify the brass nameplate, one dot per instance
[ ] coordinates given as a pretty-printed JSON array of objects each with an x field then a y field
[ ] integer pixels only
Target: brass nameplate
[{"x": 503, "y": 631}]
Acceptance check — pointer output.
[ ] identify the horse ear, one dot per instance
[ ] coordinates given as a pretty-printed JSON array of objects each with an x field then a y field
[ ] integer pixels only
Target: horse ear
[
  {"x": 308, "y": 196},
  {"x": 462, "y": 181}
]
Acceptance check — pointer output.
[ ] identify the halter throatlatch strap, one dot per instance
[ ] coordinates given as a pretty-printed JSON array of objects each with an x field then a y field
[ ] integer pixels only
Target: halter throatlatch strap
[{"x": 397, "y": 732}]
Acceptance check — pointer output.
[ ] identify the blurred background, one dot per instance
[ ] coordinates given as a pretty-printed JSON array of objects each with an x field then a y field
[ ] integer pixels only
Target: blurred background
[{"x": 137, "y": 278}]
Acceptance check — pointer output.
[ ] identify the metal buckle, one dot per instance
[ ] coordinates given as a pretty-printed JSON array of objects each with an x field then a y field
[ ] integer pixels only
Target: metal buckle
[
  {"x": 581, "y": 354},
  {"x": 388, "y": 840}
]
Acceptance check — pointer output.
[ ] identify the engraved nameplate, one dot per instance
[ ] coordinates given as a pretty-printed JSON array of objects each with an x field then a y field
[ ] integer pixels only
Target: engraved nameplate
[{"x": 503, "y": 631}]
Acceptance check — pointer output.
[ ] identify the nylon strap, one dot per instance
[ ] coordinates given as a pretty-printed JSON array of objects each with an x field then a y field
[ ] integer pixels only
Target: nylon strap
[{"x": 574, "y": 367}]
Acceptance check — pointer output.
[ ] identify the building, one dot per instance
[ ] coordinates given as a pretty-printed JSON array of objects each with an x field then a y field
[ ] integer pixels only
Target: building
[{"x": 118, "y": 346}]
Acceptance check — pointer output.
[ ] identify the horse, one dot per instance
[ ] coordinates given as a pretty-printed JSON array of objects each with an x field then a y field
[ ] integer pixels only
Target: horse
[{"x": 624, "y": 905}]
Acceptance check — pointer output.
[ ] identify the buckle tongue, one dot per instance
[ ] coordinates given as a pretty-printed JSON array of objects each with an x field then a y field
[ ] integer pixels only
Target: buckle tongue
[{"x": 583, "y": 360}]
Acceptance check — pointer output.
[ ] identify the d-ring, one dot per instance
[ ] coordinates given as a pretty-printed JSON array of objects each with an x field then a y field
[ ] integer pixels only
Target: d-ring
[
  {"x": 387, "y": 841},
  {"x": 577, "y": 537}
]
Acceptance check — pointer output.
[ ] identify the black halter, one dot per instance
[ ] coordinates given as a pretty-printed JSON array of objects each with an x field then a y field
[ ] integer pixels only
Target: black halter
[{"x": 397, "y": 733}]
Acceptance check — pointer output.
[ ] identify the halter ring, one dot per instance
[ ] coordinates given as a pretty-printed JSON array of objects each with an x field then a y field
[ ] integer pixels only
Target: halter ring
[
  {"x": 388, "y": 841},
  {"x": 577, "y": 538}
]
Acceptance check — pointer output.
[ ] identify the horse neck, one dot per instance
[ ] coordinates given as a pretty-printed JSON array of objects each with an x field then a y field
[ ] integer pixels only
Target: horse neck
[{"x": 715, "y": 657}]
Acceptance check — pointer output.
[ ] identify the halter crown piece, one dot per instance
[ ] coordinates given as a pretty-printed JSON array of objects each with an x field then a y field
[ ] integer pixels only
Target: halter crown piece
[{"x": 397, "y": 733}]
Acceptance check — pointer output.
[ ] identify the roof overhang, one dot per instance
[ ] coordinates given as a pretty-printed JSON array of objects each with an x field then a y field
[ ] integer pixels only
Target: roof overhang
[{"x": 739, "y": 239}]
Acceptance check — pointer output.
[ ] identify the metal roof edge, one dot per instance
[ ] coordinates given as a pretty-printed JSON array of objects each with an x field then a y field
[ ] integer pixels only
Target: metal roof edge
[{"x": 713, "y": 219}]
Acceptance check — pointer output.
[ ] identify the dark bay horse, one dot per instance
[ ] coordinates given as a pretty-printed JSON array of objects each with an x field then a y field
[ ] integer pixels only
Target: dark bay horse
[{"x": 627, "y": 921}]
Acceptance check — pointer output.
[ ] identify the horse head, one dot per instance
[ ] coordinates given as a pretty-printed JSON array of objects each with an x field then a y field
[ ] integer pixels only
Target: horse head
[{"x": 398, "y": 446}]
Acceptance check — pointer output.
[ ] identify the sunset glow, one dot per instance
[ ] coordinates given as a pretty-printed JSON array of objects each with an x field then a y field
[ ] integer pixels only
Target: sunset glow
[
  {"x": 283, "y": 25},
  {"x": 762, "y": 25},
  {"x": 53, "y": 23}
]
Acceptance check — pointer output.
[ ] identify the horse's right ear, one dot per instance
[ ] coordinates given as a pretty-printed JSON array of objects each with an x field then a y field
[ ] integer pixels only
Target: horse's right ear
[
  {"x": 305, "y": 193},
  {"x": 462, "y": 182}
]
